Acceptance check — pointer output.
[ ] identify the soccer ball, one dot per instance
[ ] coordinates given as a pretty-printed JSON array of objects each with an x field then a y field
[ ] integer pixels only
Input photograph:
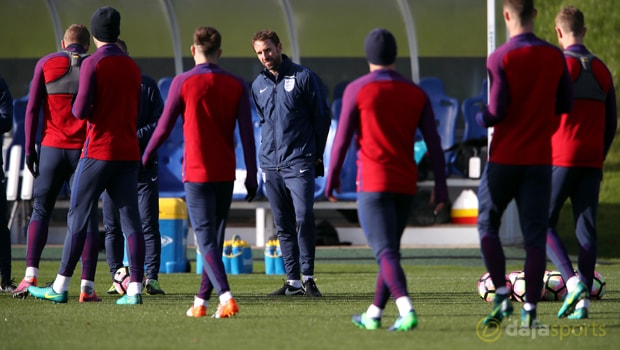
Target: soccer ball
[
  {"x": 512, "y": 278},
  {"x": 486, "y": 289},
  {"x": 598, "y": 286},
  {"x": 121, "y": 280},
  {"x": 517, "y": 278},
  {"x": 555, "y": 287}
]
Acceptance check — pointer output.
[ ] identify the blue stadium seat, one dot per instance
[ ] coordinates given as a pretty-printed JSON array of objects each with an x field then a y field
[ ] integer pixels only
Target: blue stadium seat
[
  {"x": 170, "y": 160},
  {"x": 339, "y": 89},
  {"x": 336, "y": 107},
  {"x": 348, "y": 175},
  {"x": 239, "y": 190},
  {"x": 164, "y": 85},
  {"x": 470, "y": 107},
  {"x": 19, "y": 119},
  {"x": 18, "y": 133},
  {"x": 19, "y": 181},
  {"x": 260, "y": 193},
  {"x": 474, "y": 134},
  {"x": 433, "y": 86},
  {"x": 446, "y": 110},
  {"x": 320, "y": 182}
]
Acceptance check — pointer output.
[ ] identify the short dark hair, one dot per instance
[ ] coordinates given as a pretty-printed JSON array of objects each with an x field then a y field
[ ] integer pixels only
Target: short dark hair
[
  {"x": 266, "y": 34},
  {"x": 571, "y": 18},
  {"x": 524, "y": 9},
  {"x": 77, "y": 34},
  {"x": 208, "y": 39}
]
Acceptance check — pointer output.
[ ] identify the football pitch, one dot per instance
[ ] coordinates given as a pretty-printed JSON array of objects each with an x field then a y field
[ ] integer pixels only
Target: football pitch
[{"x": 442, "y": 283}]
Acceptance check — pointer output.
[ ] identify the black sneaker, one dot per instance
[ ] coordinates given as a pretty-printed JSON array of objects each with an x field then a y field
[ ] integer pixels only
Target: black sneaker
[
  {"x": 8, "y": 286},
  {"x": 288, "y": 290},
  {"x": 311, "y": 289}
]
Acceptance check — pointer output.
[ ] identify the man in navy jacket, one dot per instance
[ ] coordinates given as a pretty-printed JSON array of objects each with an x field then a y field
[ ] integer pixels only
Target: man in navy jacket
[{"x": 295, "y": 120}]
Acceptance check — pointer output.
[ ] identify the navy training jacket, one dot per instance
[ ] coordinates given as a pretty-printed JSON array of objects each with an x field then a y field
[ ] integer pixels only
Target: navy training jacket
[{"x": 293, "y": 113}]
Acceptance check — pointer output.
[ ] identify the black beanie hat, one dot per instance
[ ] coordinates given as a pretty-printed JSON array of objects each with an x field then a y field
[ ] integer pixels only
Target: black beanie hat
[
  {"x": 105, "y": 24},
  {"x": 380, "y": 47}
]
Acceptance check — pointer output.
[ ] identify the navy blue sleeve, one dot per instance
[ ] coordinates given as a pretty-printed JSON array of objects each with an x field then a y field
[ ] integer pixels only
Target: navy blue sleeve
[
  {"x": 322, "y": 114},
  {"x": 6, "y": 108},
  {"x": 150, "y": 109}
]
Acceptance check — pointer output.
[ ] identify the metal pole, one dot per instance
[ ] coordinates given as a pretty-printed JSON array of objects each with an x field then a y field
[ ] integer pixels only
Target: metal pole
[{"x": 411, "y": 39}]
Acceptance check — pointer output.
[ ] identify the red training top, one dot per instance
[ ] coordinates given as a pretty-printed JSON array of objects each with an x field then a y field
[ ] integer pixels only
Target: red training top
[
  {"x": 530, "y": 88},
  {"x": 60, "y": 128},
  {"x": 585, "y": 135},
  {"x": 211, "y": 102},
  {"x": 108, "y": 97}
]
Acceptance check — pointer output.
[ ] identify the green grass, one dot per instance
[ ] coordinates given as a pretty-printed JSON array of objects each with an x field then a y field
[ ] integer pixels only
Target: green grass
[{"x": 442, "y": 284}]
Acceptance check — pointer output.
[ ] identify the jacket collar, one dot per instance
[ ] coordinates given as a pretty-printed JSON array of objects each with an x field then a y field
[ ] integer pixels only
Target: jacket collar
[{"x": 284, "y": 67}]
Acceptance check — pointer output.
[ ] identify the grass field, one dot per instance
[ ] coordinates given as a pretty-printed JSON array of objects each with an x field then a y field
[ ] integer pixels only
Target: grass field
[{"x": 442, "y": 283}]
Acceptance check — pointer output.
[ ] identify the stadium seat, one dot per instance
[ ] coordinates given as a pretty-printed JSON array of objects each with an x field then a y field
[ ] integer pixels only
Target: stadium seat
[
  {"x": 19, "y": 180},
  {"x": 348, "y": 175},
  {"x": 433, "y": 86},
  {"x": 18, "y": 134},
  {"x": 469, "y": 108},
  {"x": 339, "y": 89},
  {"x": 170, "y": 160},
  {"x": 257, "y": 140},
  {"x": 446, "y": 111},
  {"x": 164, "y": 85},
  {"x": 474, "y": 135},
  {"x": 239, "y": 190},
  {"x": 320, "y": 182},
  {"x": 336, "y": 107},
  {"x": 18, "y": 138}
]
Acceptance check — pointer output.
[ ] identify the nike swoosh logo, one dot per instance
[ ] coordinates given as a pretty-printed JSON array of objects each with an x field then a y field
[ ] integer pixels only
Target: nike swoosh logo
[
  {"x": 48, "y": 296},
  {"x": 154, "y": 178},
  {"x": 287, "y": 292},
  {"x": 301, "y": 171},
  {"x": 262, "y": 90}
]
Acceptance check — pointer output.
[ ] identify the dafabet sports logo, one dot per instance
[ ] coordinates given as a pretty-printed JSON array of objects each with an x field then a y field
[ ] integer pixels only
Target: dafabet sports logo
[{"x": 492, "y": 331}]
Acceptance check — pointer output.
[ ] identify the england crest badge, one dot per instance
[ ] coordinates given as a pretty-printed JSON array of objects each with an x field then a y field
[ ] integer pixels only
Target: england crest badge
[{"x": 289, "y": 83}]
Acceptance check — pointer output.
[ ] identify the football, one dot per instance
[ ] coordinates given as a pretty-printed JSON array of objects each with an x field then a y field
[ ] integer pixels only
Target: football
[
  {"x": 598, "y": 286},
  {"x": 555, "y": 287},
  {"x": 121, "y": 280},
  {"x": 486, "y": 289},
  {"x": 511, "y": 278},
  {"x": 517, "y": 279}
]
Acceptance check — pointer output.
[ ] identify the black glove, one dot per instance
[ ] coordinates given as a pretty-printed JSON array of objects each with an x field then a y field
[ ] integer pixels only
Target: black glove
[
  {"x": 150, "y": 164},
  {"x": 32, "y": 162},
  {"x": 251, "y": 194},
  {"x": 319, "y": 169}
]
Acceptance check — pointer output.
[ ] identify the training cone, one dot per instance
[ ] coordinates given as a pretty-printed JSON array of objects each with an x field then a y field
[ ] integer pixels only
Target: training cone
[{"x": 465, "y": 208}]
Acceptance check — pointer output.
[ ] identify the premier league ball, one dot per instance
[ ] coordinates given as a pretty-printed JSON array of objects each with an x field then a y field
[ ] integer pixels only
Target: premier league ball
[
  {"x": 486, "y": 289},
  {"x": 517, "y": 278},
  {"x": 598, "y": 286},
  {"x": 555, "y": 287},
  {"x": 121, "y": 280}
]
